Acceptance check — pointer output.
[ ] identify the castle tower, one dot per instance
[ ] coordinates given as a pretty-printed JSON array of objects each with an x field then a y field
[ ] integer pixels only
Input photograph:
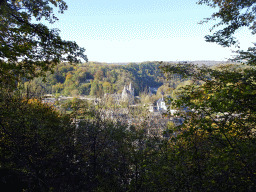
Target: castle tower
[
  {"x": 128, "y": 93},
  {"x": 130, "y": 86},
  {"x": 131, "y": 90}
]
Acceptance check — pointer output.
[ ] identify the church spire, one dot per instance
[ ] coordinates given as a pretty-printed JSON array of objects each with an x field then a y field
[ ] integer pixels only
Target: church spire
[{"x": 162, "y": 95}]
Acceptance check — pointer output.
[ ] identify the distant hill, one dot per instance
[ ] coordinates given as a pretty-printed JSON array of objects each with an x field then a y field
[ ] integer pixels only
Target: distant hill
[
  {"x": 199, "y": 62},
  {"x": 96, "y": 79},
  {"x": 122, "y": 63}
]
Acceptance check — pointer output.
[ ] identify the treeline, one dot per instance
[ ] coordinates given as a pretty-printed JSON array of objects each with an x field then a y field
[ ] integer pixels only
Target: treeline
[{"x": 95, "y": 79}]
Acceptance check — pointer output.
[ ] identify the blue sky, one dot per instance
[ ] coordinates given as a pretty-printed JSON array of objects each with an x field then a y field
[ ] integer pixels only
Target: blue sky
[{"x": 139, "y": 30}]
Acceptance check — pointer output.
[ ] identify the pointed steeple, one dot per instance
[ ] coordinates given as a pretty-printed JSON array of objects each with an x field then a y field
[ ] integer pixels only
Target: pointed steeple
[
  {"x": 130, "y": 86},
  {"x": 162, "y": 95}
]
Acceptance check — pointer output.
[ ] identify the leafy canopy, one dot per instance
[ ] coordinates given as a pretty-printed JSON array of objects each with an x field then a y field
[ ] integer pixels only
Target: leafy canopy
[
  {"x": 216, "y": 143},
  {"x": 233, "y": 14},
  {"x": 29, "y": 49}
]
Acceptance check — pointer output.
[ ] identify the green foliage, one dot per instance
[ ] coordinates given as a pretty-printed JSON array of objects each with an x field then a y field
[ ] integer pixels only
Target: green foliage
[
  {"x": 233, "y": 15},
  {"x": 218, "y": 152},
  {"x": 36, "y": 143},
  {"x": 215, "y": 145},
  {"x": 44, "y": 151},
  {"x": 107, "y": 87},
  {"x": 27, "y": 49},
  {"x": 96, "y": 79},
  {"x": 79, "y": 109},
  {"x": 164, "y": 89}
]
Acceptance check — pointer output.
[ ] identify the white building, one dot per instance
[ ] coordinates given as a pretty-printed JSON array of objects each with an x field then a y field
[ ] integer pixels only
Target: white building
[{"x": 160, "y": 104}]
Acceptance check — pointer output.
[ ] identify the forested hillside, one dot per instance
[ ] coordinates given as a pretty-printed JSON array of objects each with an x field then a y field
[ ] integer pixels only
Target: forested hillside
[{"x": 95, "y": 79}]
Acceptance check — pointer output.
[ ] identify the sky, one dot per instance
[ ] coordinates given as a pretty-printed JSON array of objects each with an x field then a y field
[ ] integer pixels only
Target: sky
[{"x": 114, "y": 31}]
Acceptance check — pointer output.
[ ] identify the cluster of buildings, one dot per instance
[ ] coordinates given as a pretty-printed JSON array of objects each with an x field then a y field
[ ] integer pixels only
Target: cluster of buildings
[
  {"x": 127, "y": 95},
  {"x": 156, "y": 122}
]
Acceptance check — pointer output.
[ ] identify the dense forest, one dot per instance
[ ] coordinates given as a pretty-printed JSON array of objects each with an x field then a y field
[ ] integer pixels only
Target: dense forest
[
  {"x": 95, "y": 79},
  {"x": 42, "y": 149}
]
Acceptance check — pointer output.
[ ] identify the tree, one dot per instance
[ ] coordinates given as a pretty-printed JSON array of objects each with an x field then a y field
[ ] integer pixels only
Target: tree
[
  {"x": 99, "y": 75},
  {"x": 216, "y": 141},
  {"x": 96, "y": 88},
  {"x": 106, "y": 87},
  {"x": 234, "y": 14},
  {"x": 37, "y": 146},
  {"x": 215, "y": 145},
  {"x": 30, "y": 49}
]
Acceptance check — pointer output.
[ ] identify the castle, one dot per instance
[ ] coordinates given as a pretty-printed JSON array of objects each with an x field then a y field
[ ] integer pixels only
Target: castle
[{"x": 128, "y": 94}]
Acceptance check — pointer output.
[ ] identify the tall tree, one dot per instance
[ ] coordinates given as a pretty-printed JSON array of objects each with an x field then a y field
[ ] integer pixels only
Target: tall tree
[
  {"x": 233, "y": 14},
  {"x": 30, "y": 49},
  {"x": 216, "y": 143}
]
